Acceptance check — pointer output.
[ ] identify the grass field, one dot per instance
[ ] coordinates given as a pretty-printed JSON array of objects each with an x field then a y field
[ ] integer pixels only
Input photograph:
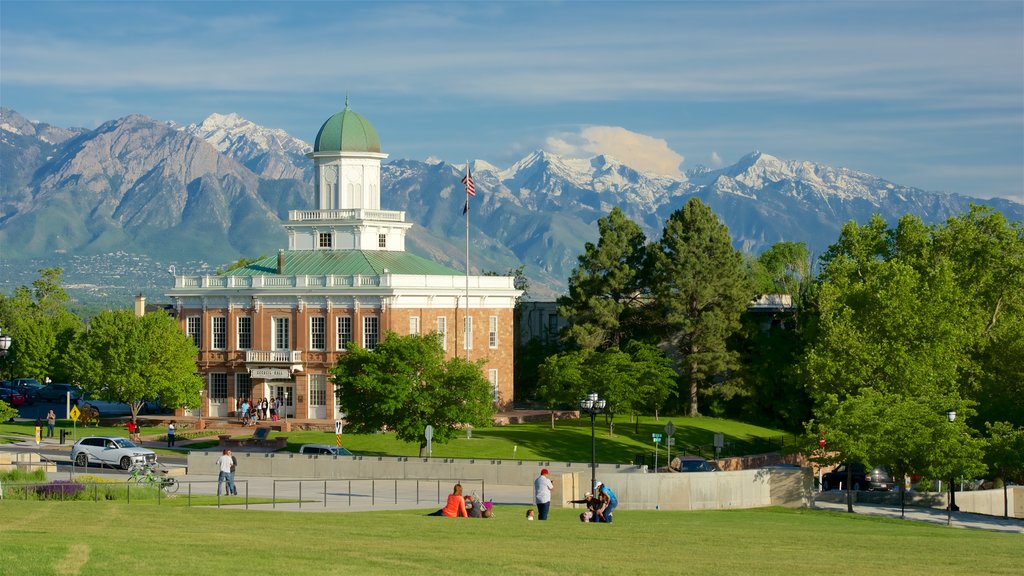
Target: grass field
[
  {"x": 86, "y": 538},
  {"x": 569, "y": 441}
]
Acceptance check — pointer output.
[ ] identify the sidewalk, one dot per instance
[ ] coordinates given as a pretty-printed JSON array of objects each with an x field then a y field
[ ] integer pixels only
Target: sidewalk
[{"x": 931, "y": 516}]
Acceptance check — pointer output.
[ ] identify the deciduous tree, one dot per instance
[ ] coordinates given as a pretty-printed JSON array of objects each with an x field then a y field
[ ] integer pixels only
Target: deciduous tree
[{"x": 405, "y": 383}]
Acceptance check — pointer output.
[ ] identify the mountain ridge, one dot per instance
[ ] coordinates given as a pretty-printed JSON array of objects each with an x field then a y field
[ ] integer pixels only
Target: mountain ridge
[{"x": 221, "y": 189}]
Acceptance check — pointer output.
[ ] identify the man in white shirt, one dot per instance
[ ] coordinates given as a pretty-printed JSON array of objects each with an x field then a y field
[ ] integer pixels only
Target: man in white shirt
[
  {"x": 542, "y": 494},
  {"x": 226, "y": 466}
]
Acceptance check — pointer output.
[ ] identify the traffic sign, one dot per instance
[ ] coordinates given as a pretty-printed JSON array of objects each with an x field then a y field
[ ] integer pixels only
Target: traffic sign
[
  {"x": 74, "y": 414},
  {"x": 670, "y": 429},
  {"x": 656, "y": 437},
  {"x": 337, "y": 427}
]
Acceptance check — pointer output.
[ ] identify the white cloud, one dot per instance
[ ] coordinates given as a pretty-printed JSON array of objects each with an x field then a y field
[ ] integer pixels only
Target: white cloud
[
  {"x": 716, "y": 160},
  {"x": 639, "y": 151}
]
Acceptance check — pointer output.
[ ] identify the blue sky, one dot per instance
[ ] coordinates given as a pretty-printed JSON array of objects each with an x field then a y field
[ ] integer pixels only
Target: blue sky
[{"x": 926, "y": 94}]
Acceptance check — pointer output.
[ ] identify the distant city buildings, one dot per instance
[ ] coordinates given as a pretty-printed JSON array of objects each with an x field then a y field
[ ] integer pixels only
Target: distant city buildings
[{"x": 275, "y": 327}]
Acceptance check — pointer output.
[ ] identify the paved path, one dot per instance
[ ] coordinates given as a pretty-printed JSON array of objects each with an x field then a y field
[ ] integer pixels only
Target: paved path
[{"x": 932, "y": 516}]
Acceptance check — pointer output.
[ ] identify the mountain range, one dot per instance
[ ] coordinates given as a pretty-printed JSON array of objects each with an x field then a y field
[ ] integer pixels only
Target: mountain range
[{"x": 220, "y": 190}]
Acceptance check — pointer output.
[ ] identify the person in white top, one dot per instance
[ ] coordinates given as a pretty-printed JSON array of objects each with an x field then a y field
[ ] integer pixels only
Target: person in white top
[
  {"x": 542, "y": 494},
  {"x": 226, "y": 465},
  {"x": 170, "y": 434}
]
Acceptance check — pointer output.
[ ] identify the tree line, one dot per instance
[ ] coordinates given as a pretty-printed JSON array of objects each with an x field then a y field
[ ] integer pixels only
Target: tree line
[{"x": 892, "y": 328}]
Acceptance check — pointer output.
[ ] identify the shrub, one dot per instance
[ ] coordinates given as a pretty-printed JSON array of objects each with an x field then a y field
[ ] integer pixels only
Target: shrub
[
  {"x": 18, "y": 476},
  {"x": 60, "y": 490}
]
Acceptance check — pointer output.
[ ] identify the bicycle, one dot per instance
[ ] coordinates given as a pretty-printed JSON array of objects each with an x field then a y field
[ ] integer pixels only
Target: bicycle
[{"x": 146, "y": 475}]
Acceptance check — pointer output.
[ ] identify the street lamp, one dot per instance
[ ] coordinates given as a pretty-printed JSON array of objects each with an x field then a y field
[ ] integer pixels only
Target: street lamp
[
  {"x": 951, "y": 416},
  {"x": 5, "y": 344},
  {"x": 592, "y": 405}
]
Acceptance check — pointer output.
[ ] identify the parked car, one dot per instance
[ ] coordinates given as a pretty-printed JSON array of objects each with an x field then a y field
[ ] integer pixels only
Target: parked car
[
  {"x": 696, "y": 464},
  {"x": 27, "y": 386},
  {"x": 111, "y": 450},
  {"x": 57, "y": 393},
  {"x": 104, "y": 407},
  {"x": 324, "y": 449},
  {"x": 862, "y": 479},
  {"x": 12, "y": 397}
]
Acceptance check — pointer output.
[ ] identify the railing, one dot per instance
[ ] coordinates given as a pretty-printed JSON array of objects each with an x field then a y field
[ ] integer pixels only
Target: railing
[
  {"x": 331, "y": 281},
  {"x": 274, "y": 356},
  {"x": 346, "y": 214}
]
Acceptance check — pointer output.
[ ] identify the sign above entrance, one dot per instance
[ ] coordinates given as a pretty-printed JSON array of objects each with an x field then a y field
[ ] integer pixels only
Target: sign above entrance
[{"x": 270, "y": 373}]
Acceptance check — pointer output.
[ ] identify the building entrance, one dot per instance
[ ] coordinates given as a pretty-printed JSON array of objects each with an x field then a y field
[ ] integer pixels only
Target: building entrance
[{"x": 286, "y": 392}]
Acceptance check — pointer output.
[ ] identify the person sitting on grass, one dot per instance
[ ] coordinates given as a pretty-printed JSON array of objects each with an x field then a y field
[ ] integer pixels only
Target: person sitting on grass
[{"x": 456, "y": 506}]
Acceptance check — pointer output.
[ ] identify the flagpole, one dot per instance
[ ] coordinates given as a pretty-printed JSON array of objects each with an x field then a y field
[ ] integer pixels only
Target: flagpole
[{"x": 465, "y": 319}]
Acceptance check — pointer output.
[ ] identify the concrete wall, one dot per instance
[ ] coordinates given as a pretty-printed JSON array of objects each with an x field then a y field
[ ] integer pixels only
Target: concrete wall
[
  {"x": 991, "y": 502},
  {"x": 635, "y": 489}
]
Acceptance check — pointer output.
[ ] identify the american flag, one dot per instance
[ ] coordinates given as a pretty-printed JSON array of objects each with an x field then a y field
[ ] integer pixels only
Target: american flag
[{"x": 468, "y": 181}]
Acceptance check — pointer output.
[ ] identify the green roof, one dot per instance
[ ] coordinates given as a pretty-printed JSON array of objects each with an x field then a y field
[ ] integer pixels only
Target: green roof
[
  {"x": 347, "y": 131},
  {"x": 344, "y": 263}
]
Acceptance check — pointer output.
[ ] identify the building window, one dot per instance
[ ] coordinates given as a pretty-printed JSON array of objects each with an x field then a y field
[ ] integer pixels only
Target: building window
[
  {"x": 243, "y": 385},
  {"x": 325, "y": 240},
  {"x": 382, "y": 240},
  {"x": 467, "y": 333},
  {"x": 194, "y": 328},
  {"x": 414, "y": 325},
  {"x": 442, "y": 331},
  {"x": 492, "y": 376},
  {"x": 281, "y": 341},
  {"x": 344, "y": 332},
  {"x": 218, "y": 387},
  {"x": 244, "y": 332},
  {"x": 317, "y": 389},
  {"x": 317, "y": 333},
  {"x": 219, "y": 333},
  {"x": 371, "y": 332},
  {"x": 492, "y": 332}
]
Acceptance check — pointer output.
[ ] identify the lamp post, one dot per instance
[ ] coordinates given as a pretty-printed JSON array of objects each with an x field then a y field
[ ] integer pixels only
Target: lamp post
[
  {"x": 593, "y": 405},
  {"x": 950, "y": 416},
  {"x": 5, "y": 344}
]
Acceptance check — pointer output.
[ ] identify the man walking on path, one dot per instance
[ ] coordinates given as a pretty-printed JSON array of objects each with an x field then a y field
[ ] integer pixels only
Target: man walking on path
[
  {"x": 542, "y": 494},
  {"x": 226, "y": 466}
]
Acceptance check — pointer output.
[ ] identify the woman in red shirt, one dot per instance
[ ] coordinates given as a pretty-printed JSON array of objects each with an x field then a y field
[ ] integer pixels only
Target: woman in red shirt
[{"x": 456, "y": 506}]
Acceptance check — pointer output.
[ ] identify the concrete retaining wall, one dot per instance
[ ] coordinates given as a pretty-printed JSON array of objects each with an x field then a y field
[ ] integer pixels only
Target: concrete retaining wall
[
  {"x": 635, "y": 489},
  {"x": 991, "y": 502}
]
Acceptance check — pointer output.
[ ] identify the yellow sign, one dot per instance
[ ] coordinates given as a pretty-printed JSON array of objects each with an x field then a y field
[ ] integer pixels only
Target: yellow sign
[
  {"x": 75, "y": 413},
  {"x": 337, "y": 439}
]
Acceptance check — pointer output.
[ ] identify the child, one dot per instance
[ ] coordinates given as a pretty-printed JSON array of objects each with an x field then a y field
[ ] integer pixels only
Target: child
[{"x": 529, "y": 514}]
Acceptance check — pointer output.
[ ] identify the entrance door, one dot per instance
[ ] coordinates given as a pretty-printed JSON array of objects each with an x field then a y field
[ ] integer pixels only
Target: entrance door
[{"x": 286, "y": 392}]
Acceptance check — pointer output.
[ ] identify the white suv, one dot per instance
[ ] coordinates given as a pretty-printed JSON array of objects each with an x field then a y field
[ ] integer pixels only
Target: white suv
[{"x": 111, "y": 450}]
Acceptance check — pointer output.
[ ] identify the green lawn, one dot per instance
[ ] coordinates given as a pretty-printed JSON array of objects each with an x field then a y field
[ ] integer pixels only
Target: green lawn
[
  {"x": 569, "y": 441},
  {"x": 87, "y": 538}
]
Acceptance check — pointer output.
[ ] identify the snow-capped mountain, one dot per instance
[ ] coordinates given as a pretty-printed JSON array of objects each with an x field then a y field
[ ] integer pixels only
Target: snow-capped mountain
[
  {"x": 221, "y": 189},
  {"x": 269, "y": 152}
]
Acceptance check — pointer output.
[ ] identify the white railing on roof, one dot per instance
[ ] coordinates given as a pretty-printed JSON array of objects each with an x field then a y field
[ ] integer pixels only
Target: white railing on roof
[
  {"x": 353, "y": 281},
  {"x": 346, "y": 214}
]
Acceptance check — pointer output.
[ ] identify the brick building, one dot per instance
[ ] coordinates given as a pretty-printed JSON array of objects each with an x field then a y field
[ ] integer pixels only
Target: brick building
[{"x": 275, "y": 327}]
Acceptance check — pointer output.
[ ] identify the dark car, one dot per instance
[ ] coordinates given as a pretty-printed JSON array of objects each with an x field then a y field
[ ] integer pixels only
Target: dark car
[
  {"x": 56, "y": 393},
  {"x": 27, "y": 386},
  {"x": 696, "y": 464},
  {"x": 862, "y": 479}
]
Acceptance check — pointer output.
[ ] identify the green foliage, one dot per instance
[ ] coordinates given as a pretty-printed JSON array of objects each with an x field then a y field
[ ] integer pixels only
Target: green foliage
[
  {"x": 910, "y": 322},
  {"x": 606, "y": 286},
  {"x": 406, "y": 384},
  {"x": 700, "y": 289},
  {"x": 130, "y": 359},
  {"x": 7, "y": 411},
  {"x": 40, "y": 327},
  {"x": 1004, "y": 451},
  {"x": 781, "y": 269}
]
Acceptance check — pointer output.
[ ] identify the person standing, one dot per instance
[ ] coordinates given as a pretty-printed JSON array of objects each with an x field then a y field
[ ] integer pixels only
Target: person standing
[
  {"x": 226, "y": 474},
  {"x": 542, "y": 494},
  {"x": 170, "y": 434},
  {"x": 51, "y": 421}
]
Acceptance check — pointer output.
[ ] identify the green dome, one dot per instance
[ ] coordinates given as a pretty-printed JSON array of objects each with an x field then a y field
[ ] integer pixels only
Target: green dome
[{"x": 347, "y": 131}]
